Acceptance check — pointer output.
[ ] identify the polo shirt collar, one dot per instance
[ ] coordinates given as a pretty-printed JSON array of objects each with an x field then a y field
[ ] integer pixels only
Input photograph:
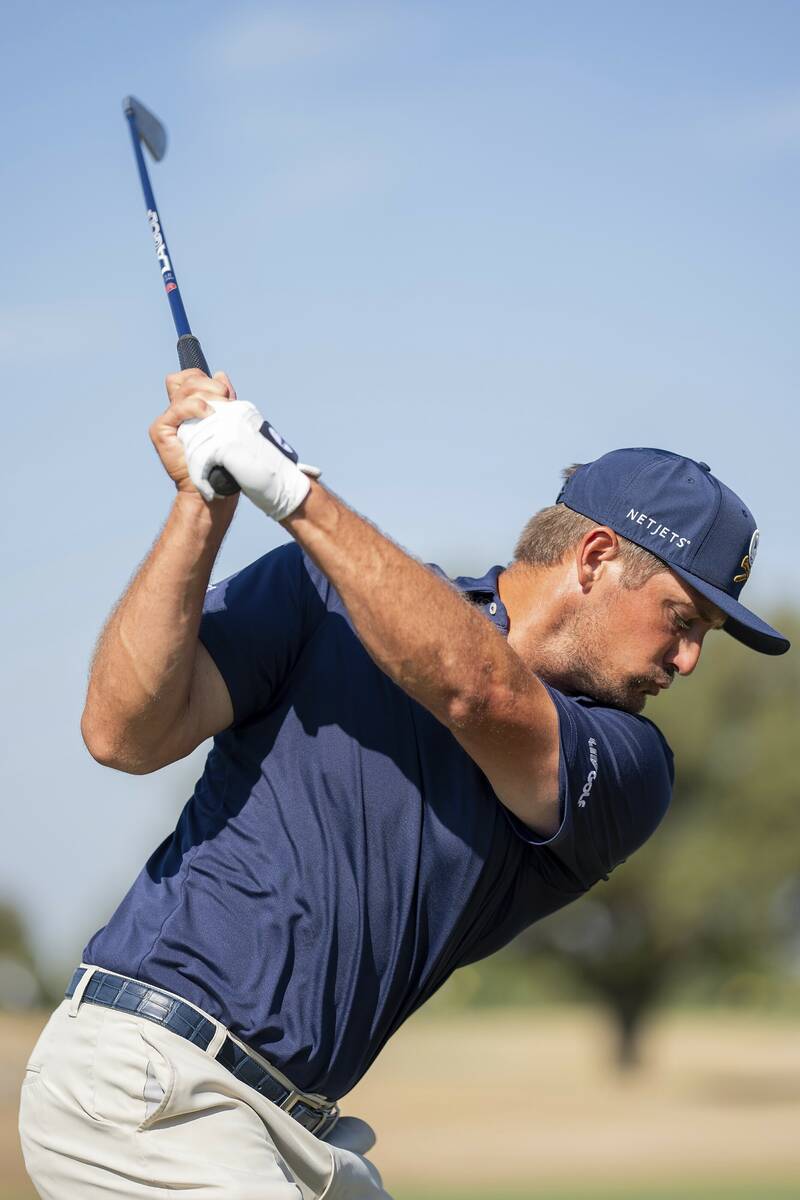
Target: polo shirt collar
[{"x": 484, "y": 593}]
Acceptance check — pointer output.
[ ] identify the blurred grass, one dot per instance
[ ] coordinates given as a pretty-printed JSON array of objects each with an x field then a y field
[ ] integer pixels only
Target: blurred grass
[{"x": 698, "y": 1191}]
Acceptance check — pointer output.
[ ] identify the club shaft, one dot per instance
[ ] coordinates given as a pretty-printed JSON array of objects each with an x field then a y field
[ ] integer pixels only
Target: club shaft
[
  {"x": 162, "y": 252},
  {"x": 190, "y": 353}
]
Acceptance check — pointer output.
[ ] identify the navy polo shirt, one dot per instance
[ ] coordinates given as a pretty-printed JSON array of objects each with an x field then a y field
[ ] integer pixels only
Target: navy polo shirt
[{"x": 342, "y": 854}]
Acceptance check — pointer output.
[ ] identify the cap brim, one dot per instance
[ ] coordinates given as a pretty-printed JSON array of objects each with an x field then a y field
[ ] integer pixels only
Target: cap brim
[{"x": 741, "y": 624}]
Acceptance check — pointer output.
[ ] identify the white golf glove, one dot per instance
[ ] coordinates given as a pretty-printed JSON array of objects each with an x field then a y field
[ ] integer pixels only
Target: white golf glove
[{"x": 231, "y": 437}]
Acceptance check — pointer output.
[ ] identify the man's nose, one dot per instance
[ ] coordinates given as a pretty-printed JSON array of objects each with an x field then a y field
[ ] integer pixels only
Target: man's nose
[{"x": 686, "y": 655}]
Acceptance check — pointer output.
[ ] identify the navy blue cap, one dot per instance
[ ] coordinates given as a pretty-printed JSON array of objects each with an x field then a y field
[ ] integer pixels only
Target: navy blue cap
[{"x": 684, "y": 515}]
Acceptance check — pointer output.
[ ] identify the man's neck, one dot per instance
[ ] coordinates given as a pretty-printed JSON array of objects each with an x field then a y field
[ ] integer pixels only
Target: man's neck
[{"x": 534, "y": 603}]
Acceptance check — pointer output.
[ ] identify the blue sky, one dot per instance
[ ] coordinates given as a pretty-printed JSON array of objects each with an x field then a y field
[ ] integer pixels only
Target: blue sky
[{"x": 446, "y": 247}]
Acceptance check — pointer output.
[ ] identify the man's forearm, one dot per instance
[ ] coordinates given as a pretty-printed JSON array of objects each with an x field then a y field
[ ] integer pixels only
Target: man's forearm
[
  {"x": 142, "y": 671},
  {"x": 417, "y": 628}
]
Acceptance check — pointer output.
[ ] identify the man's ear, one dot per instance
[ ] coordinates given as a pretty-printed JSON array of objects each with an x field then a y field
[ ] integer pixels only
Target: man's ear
[{"x": 593, "y": 553}]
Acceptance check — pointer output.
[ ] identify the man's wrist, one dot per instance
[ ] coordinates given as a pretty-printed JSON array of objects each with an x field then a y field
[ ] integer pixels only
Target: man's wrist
[
  {"x": 192, "y": 511},
  {"x": 319, "y": 509}
]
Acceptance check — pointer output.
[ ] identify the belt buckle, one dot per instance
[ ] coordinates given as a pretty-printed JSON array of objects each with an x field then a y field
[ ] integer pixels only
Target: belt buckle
[{"x": 316, "y": 1120}]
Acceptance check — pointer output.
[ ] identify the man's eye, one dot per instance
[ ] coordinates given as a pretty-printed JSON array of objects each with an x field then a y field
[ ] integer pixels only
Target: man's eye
[{"x": 680, "y": 623}]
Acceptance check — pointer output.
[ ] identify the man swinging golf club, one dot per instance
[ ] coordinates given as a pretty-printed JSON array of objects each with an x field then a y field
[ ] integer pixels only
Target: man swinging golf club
[{"x": 406, "y": 772}]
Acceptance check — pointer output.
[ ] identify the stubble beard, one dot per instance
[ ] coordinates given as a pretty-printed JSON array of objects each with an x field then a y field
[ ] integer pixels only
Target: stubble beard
[{"x": 571, "y": 663}]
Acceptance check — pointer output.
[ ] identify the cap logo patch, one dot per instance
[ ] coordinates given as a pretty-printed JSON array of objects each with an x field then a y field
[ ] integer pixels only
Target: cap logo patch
[{"x": 748, "y": 560}]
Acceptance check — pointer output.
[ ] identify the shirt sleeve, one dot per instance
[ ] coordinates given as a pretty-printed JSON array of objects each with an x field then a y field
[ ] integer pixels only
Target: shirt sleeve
[
  {"x": 615, "y": 781},
  {"x": 256, "y": 623}
]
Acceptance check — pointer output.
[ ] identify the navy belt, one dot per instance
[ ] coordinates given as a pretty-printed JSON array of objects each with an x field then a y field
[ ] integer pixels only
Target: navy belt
[{"x": 141, "y": 1000}]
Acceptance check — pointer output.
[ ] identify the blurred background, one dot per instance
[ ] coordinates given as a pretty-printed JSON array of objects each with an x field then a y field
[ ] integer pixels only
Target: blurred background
[{"x": 448, "y": 247}]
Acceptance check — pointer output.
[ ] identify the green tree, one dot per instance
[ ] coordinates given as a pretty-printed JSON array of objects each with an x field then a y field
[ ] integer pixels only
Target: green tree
[
  {"x": 20, "y": 983},
  {"x": 14, "y": 941}
]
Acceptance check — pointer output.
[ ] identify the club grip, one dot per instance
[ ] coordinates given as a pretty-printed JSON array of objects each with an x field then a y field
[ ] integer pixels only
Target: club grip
[{"x": 190, "y": 354}]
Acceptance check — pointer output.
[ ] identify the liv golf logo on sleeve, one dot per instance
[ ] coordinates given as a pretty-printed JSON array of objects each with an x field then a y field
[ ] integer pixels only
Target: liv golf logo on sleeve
[{"x": 587, "y": 787}]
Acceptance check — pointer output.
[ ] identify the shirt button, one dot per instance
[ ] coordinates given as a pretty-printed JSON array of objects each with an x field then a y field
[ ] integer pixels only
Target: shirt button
[{"x": 492, "y": 609}]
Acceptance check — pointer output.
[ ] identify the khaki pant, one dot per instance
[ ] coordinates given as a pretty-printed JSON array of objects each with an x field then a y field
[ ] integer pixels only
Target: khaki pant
[{"x": 114, "y": 1105}]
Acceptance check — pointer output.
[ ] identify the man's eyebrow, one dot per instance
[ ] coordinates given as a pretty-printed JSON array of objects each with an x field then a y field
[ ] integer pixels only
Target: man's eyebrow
[
  {"x": 714, "y": 622},
  {"x": 705, "y": 613}
]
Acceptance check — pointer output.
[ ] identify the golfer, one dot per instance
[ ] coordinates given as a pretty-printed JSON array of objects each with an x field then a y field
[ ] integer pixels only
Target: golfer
[{"x": 406, "y": 772}]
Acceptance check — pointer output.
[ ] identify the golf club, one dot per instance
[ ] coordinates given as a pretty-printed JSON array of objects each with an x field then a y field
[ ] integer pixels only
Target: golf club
[{"x": 145, "y": 127}]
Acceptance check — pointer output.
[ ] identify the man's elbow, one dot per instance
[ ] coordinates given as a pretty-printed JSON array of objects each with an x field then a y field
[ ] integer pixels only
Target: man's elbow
[
  {"x": 487, "y": 701},
  {"x": 110, "y": 751}
]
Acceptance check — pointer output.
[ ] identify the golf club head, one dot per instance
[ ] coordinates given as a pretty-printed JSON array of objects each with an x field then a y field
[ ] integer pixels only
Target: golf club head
[{"x": 150, "y": 129}]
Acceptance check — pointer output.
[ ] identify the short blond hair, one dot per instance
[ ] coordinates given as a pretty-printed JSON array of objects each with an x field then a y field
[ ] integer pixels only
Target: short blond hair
[{"x": 553, "y": 532}]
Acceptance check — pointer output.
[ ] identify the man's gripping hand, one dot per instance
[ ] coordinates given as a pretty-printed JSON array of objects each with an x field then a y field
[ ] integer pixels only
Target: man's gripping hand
[
  {"x": 230, "y": 436},
  {"x": 194, "y": 396},
  {"x": 189, "y": 394}
]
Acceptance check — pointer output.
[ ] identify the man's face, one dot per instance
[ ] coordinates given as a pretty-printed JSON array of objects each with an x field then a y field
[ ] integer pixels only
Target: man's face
[{"x": 622, "y": 645}]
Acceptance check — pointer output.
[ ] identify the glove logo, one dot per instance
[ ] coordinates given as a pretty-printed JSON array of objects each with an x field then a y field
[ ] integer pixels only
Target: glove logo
[{"x": 271, "y": 432}]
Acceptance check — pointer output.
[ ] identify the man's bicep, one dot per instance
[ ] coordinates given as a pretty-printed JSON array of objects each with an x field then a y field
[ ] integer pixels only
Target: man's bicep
[
  {"x": 209, "y": 710},
  {"x": 517, "y": 748},
  {"x": 210, "y": 704}
]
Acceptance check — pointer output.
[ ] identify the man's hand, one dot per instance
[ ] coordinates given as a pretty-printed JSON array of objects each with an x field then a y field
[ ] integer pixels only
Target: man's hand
[
  {"x": 230, "y": 436},
  {"x": 190, "y": 395}
]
